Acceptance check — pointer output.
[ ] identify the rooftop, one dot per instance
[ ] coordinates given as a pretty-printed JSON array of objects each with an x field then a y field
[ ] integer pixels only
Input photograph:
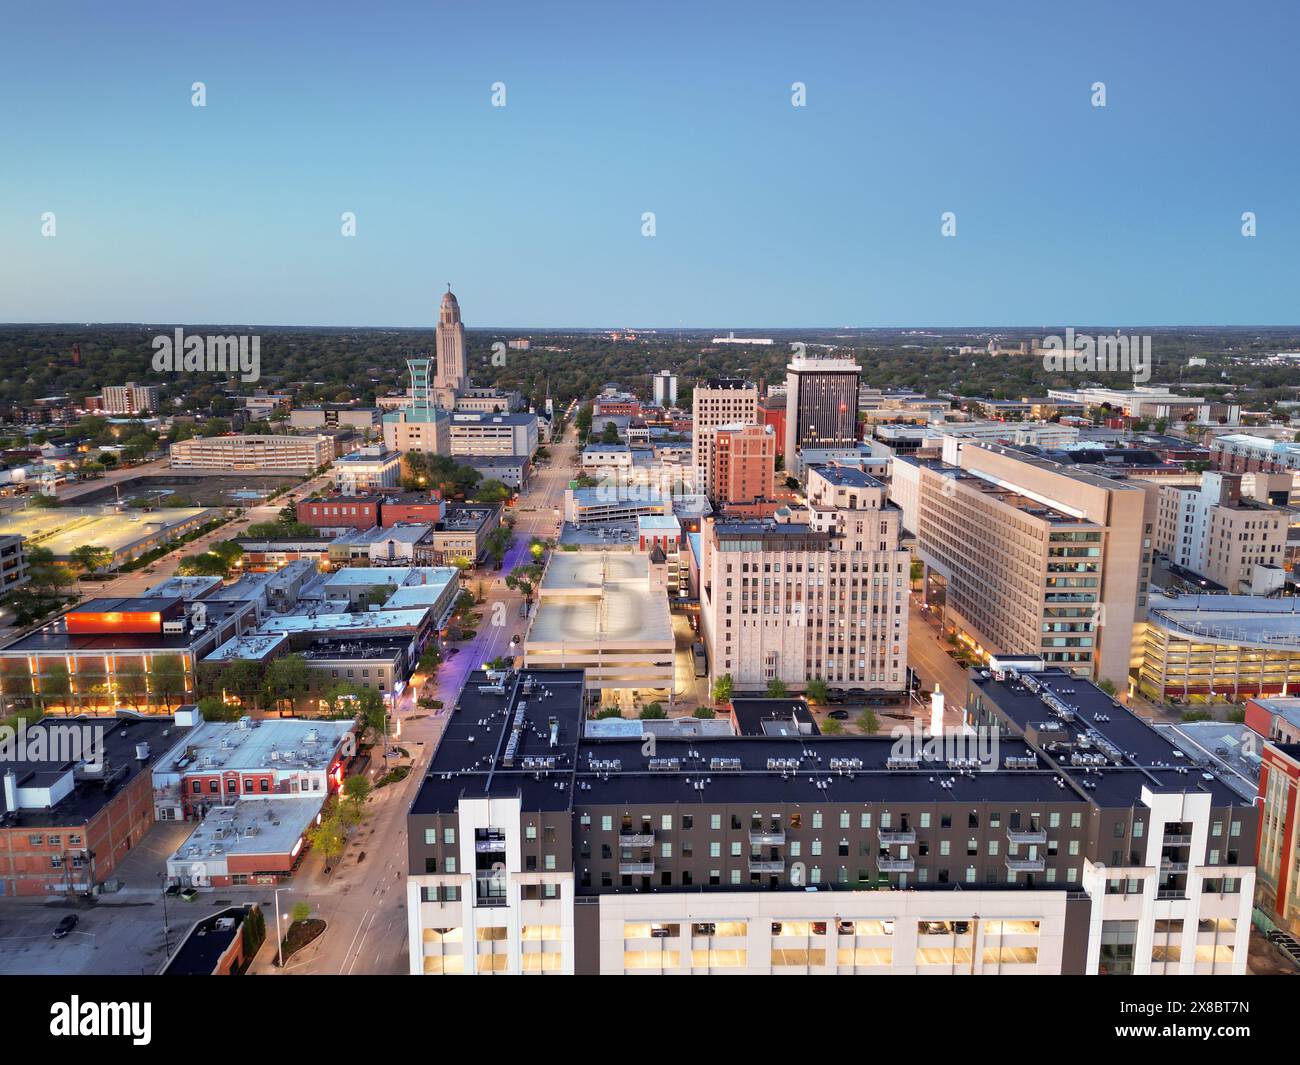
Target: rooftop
[
  {"x": 258, "y": 744},
  {"x": 250, "y": 826}
]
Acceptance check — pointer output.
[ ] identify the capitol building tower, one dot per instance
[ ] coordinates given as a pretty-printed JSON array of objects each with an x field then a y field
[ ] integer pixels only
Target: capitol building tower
[{"x": 451, "y": 376}]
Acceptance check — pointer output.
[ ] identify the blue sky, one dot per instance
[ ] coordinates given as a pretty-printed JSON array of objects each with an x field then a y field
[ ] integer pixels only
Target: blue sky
[{"x": 766, "y": 214}]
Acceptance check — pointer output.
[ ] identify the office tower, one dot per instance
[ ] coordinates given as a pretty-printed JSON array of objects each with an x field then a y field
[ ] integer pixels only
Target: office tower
[
  {"x": 666, "y": 388},
  {"x": 717, "y": 402},
  {"x": 821, "y": 405},
  {"x": 452, "y": 375},
  {"x": 1035, "y": 557},
  {"x": 819, "y": 594},
  {"x": 744, "y": 464}
]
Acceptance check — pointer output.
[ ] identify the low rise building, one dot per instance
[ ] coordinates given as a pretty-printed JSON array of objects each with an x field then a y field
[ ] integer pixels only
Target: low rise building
[
  {"x": 368, "y": 469},
  {"x": 334, "y": 515},
  {"x": 253, "y": 454},
  {"x": 77, "y": 796}
]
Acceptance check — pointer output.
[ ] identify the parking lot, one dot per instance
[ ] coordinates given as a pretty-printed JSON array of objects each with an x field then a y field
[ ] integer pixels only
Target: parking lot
[{"x": 118, "y": 933}]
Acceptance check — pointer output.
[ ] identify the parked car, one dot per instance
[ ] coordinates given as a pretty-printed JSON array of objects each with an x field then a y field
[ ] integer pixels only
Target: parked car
[
  {"x": 839, "y": 715},
  {"x": 66, "y": 925}
]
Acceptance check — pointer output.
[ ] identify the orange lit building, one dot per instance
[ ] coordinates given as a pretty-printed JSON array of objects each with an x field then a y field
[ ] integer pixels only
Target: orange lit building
[{"x": 744, "y": 464}]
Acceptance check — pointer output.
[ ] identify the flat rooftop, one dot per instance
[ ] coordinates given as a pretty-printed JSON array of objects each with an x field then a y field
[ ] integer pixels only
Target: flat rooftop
[
  {"x": 64, "y": 529},
  {"x": 1106, "y": 751},
  {"x": 599, "y": 596},
  {"x": 250, "y": 826},
  {"x": 369, "y": 621},
  {"x": 53, "y": 636},
  {"x": 1251, "y": 620},
  {"x": 252, "y": 646},
  {"x": 91, "y": 790},
  {"x": 252, "y": 743}
]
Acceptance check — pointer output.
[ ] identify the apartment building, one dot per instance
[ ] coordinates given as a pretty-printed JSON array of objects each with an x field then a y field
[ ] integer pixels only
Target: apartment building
[
  {"x": 13, "y": 563},
  {"x": 821, "y": 405},
  {"x": 717, "y": 402},
  {"x": 1034, "y": 557},
  {"x": 129, "y": 398},
  {"x": 1278, "y": 859},
  {"x": 819, "y": 593},
  {"x": 253, "y": 454},
  {"x": 744, "y": 464},
  {"x": 333, "y": 416},
  {"x": 536, "y": 847},
  {"x": 1225, "y": 536},
  {"x": 1244, "y": 453}
]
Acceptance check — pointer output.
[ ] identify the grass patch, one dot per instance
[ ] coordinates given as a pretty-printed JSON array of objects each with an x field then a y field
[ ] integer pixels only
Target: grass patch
[{"x": 397, "y": 773}]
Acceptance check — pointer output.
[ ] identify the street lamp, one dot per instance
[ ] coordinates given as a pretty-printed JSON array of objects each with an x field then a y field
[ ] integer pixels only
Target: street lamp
[{"x": 167, "y": 932}]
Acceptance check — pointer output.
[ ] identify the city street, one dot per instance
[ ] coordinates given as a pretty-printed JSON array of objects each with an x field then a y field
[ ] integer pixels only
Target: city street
[{"x": 363, "y": 899}]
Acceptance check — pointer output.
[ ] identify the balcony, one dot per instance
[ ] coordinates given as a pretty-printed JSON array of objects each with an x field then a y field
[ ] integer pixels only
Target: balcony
[
  {"x": 1169, "y": 865},
  {"x": 1026, "y": 865},
  {"x": 890, "y": 836},
  {"x": 759, "y": 865},
  {"x": 491, "y": 845},
  {"x": 636, "y": 868},
  {"x": 636, "y": 839},
  {"x": 1177, "y": 840},
  {"x": 767, "y": 839},
  {"x": 1027, "y": 836},
  {"x": 896, "y": 865}
]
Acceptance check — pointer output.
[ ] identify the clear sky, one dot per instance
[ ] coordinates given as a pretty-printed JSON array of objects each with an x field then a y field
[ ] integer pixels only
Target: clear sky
[{"x": 766, "y": 214}]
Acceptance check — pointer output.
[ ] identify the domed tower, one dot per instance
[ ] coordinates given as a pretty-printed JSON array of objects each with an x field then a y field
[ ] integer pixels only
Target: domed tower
[{"x": 450, "y": 347}]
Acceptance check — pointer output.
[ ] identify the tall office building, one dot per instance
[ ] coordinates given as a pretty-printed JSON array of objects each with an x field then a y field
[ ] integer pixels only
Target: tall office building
[
  {"x": 1035, "y": 557},
  {"x": 718, "y": 402},
  {"x": 744, "y": 464},
  {"x": 452, "y": 375},
  {"x": 129, "y": 398},
  {"x": 821, "y": 405},
  {"x": 666, "y": 388},
  {"x": 822, "y": 595}
]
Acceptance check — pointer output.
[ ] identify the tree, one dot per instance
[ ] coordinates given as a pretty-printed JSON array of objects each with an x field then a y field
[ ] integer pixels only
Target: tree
[
  {"x": 1108, "y": 686},
  {"x": 609, "y": 435},
  {"x": 91, "y": 557},
  {"x": 816, "y": 691},
  {"x": 328, "y": 837},
  {"x": 244, "y": 679},
  {"x": 213, "y": 709},
  {"x": 356, "y": 789},
  {"x": 208, "y": 564},
  {"x": 776, "y": 688},
  {"x": 608, "y": 711},
  {"x": 831, "y": 727},
  {"x": 300, "y": 912},
  {"x": 167, "y": 680},
  {"x": 868, "y": 722},
  {"x": 56, "y": 686},
  {"x": 705, "y": 712},
  {"x": 491, "y": 491},
  {"x": 286, "y": 678},
  {"x": 652, "y": 712},
  {"x": 722, "y": 688},
  {"x": 524, "y": 580},
  {"x": 132, "y": 684},
  {"x": 498, "y": 542}
]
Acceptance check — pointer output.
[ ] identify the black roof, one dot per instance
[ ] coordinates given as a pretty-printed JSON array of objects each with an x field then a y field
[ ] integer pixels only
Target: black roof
[{"x": 200, "y": 951}]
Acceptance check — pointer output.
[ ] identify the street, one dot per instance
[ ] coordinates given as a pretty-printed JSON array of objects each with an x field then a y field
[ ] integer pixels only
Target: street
[{"x": 363, "y": 899}]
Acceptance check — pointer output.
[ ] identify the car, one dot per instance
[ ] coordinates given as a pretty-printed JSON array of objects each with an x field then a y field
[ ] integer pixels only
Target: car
[
  {"x": 453, "y": 650},
  {"x": 515, "y": 638},
  {"x": 839, "y": 715},
  {"x": 66, "y": 925}
]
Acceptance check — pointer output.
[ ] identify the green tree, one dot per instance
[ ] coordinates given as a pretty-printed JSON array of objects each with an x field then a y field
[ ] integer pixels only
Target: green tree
[
  {"x": 705, "y": 712},
  {"x": 328, "y": 837},
  {"x": 91, "y": 557},
  {"x": 868, "y": 722},
  {"x": 285, "y": 680},
  {"x": 608, "y": 711},
  {"x": 831, "y": 727},
  {"x": 356, "y": 788},
  {"x": 245, "y": 679},
  {"x": 213, "y": 709},
  {"x": 56, "y": 686},
  {"x": 132, "y": 684},
  {"x": 525, "y": 579},
  {"x": 300, "y": 912},
  {"x": 816, "y": 691},
  {"x": 491, "y": 491},
  {"x": 776, "y": 688},
  {"x": 167, "y": 680},
  {"x": 652, "y": 712},
  {"x": 722, "y": 688}
]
